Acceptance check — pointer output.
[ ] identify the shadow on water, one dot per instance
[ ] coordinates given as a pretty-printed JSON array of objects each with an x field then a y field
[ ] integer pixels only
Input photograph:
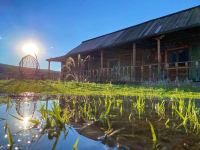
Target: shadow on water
[{"x": 39, "y": 122}]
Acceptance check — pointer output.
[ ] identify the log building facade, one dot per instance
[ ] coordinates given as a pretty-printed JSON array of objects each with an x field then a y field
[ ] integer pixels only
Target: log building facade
[{"x": 166, "y": 48}]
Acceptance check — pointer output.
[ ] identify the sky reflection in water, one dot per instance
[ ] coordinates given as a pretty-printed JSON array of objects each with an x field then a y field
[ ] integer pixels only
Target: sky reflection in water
[{"x": 27, "y": 137}]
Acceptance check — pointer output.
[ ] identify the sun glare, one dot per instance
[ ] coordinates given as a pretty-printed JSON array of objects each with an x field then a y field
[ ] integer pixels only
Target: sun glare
[
  {"x": 30, "y": 49},
  {"x": 25, "y": 122}
]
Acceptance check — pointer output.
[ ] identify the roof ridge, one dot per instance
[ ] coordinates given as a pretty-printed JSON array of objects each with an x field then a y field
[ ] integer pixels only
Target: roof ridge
[{"x": 184, "y": 10}]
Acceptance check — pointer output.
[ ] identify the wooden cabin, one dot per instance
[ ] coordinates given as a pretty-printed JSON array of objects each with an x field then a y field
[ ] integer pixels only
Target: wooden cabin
[{"x": 166, "y": 48}]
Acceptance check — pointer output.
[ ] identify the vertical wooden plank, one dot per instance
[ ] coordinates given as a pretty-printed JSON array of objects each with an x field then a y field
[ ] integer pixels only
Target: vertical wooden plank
[
  {"x": 197, "y": 66},
  {"x": 97, "y": 71},
  {"x": 106, "y": 75},
  {"x": 176, "y": 65},
  {"x": 101, "y": 71},
  {"x": 49, "y": 68},
  {"x": 89, "y": 75},
  {"x": 101, "y": 59},
  {"x": 123, "y": 74},
  {"x": 166, "y": 56},
  {"x": 142, "y": 73},
  {"x": 134, "y": 61},
  {"x": 131, "y": 73},
  {"x": 167, "y": 70},
  {"x": 166, "y": 67},
  {"x": 110, "y": 75},
  {"x": 187, "y": 71},
  {"x": 150, "y": 73},
  {"x": 93, "y": 75},
  {"x": 159, "y": 58}
]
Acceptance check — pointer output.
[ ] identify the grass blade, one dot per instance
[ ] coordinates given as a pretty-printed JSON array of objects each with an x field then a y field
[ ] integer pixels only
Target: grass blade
[
  {"x": 10, "y": 139},
  {"x": 75, "y": 146},
  {"x": 153, "y": 133}
]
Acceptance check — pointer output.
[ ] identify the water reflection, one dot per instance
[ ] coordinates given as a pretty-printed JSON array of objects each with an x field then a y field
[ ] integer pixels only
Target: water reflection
[
  {"x": 25, "y": 108},
  {"x": 99, "y": 122},
  {"x": 32, "y": 130}
]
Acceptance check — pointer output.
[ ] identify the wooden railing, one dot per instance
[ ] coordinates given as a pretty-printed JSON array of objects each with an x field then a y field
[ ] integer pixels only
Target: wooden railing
[{"x": 178, "y": 71}]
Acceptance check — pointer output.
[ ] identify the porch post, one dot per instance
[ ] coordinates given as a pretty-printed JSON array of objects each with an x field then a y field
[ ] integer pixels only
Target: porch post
[
  {"x": 49, "y": 67},
  {"x": 101, "y": 71},
  {"x": 159, "y": 56},
  {"x": 61, "y": 71},
  {"x": 79, "y": 61},
  {"x": 166, "y": 66},
  {"x": 134, "y": 61}
]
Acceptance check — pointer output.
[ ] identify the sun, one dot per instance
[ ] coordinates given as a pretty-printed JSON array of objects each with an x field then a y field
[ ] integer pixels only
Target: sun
[{"x": 30, "y": 48}]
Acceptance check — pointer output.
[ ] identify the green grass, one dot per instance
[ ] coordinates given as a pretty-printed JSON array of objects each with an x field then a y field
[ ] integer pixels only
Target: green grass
[
  {"x": 75, "y": 88},
  {"x": 154, "y": 138}
]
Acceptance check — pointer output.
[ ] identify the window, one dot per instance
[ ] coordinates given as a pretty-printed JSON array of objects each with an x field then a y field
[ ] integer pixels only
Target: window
[
  {"x": 179, "y": 55},
  {"x": 172, "y": 57},
  {"x": 183, "y": 55}
]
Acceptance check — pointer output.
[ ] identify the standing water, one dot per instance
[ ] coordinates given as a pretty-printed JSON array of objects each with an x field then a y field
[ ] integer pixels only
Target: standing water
[{"x": 31, "y": 121}]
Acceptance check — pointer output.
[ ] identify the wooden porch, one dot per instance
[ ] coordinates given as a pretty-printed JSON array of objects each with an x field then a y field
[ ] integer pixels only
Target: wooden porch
[
  {"x": 170, "y": 57},
  {"x": 179, "y": 71}
]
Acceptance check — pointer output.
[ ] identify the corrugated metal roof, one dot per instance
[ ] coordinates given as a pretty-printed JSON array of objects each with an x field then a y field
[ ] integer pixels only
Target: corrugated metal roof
[{"x": 173, "y": 22}]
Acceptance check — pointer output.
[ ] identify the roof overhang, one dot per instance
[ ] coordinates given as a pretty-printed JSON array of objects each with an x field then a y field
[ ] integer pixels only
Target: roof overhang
[{"x": 57, "y": 59}]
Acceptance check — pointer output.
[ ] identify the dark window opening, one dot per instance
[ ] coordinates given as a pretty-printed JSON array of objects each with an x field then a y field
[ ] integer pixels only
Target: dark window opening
[{"x": 180, "y": 56}]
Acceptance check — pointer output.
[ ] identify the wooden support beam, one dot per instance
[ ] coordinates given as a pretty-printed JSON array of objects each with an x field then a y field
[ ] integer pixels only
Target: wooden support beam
[
  {"x": 134, "y": 61},
  {"x": 159, "y": 55},
  {"x": 166, "y": 65},
  {"x": 159, "y": 58},
  {"x": 49, "y": 68}
]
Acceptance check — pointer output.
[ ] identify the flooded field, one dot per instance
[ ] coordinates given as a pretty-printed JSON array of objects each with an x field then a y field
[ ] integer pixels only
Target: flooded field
[{"x": 30, "y": 121}]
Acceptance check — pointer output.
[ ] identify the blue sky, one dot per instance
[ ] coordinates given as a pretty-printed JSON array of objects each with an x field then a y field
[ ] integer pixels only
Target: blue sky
[{"x": 57, "y": 26}]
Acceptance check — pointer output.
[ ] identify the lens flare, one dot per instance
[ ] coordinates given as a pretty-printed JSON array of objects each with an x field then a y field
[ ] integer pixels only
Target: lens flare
[
  {"x": 30, "y": 48},
  {"x": 25, "y": 122}
]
